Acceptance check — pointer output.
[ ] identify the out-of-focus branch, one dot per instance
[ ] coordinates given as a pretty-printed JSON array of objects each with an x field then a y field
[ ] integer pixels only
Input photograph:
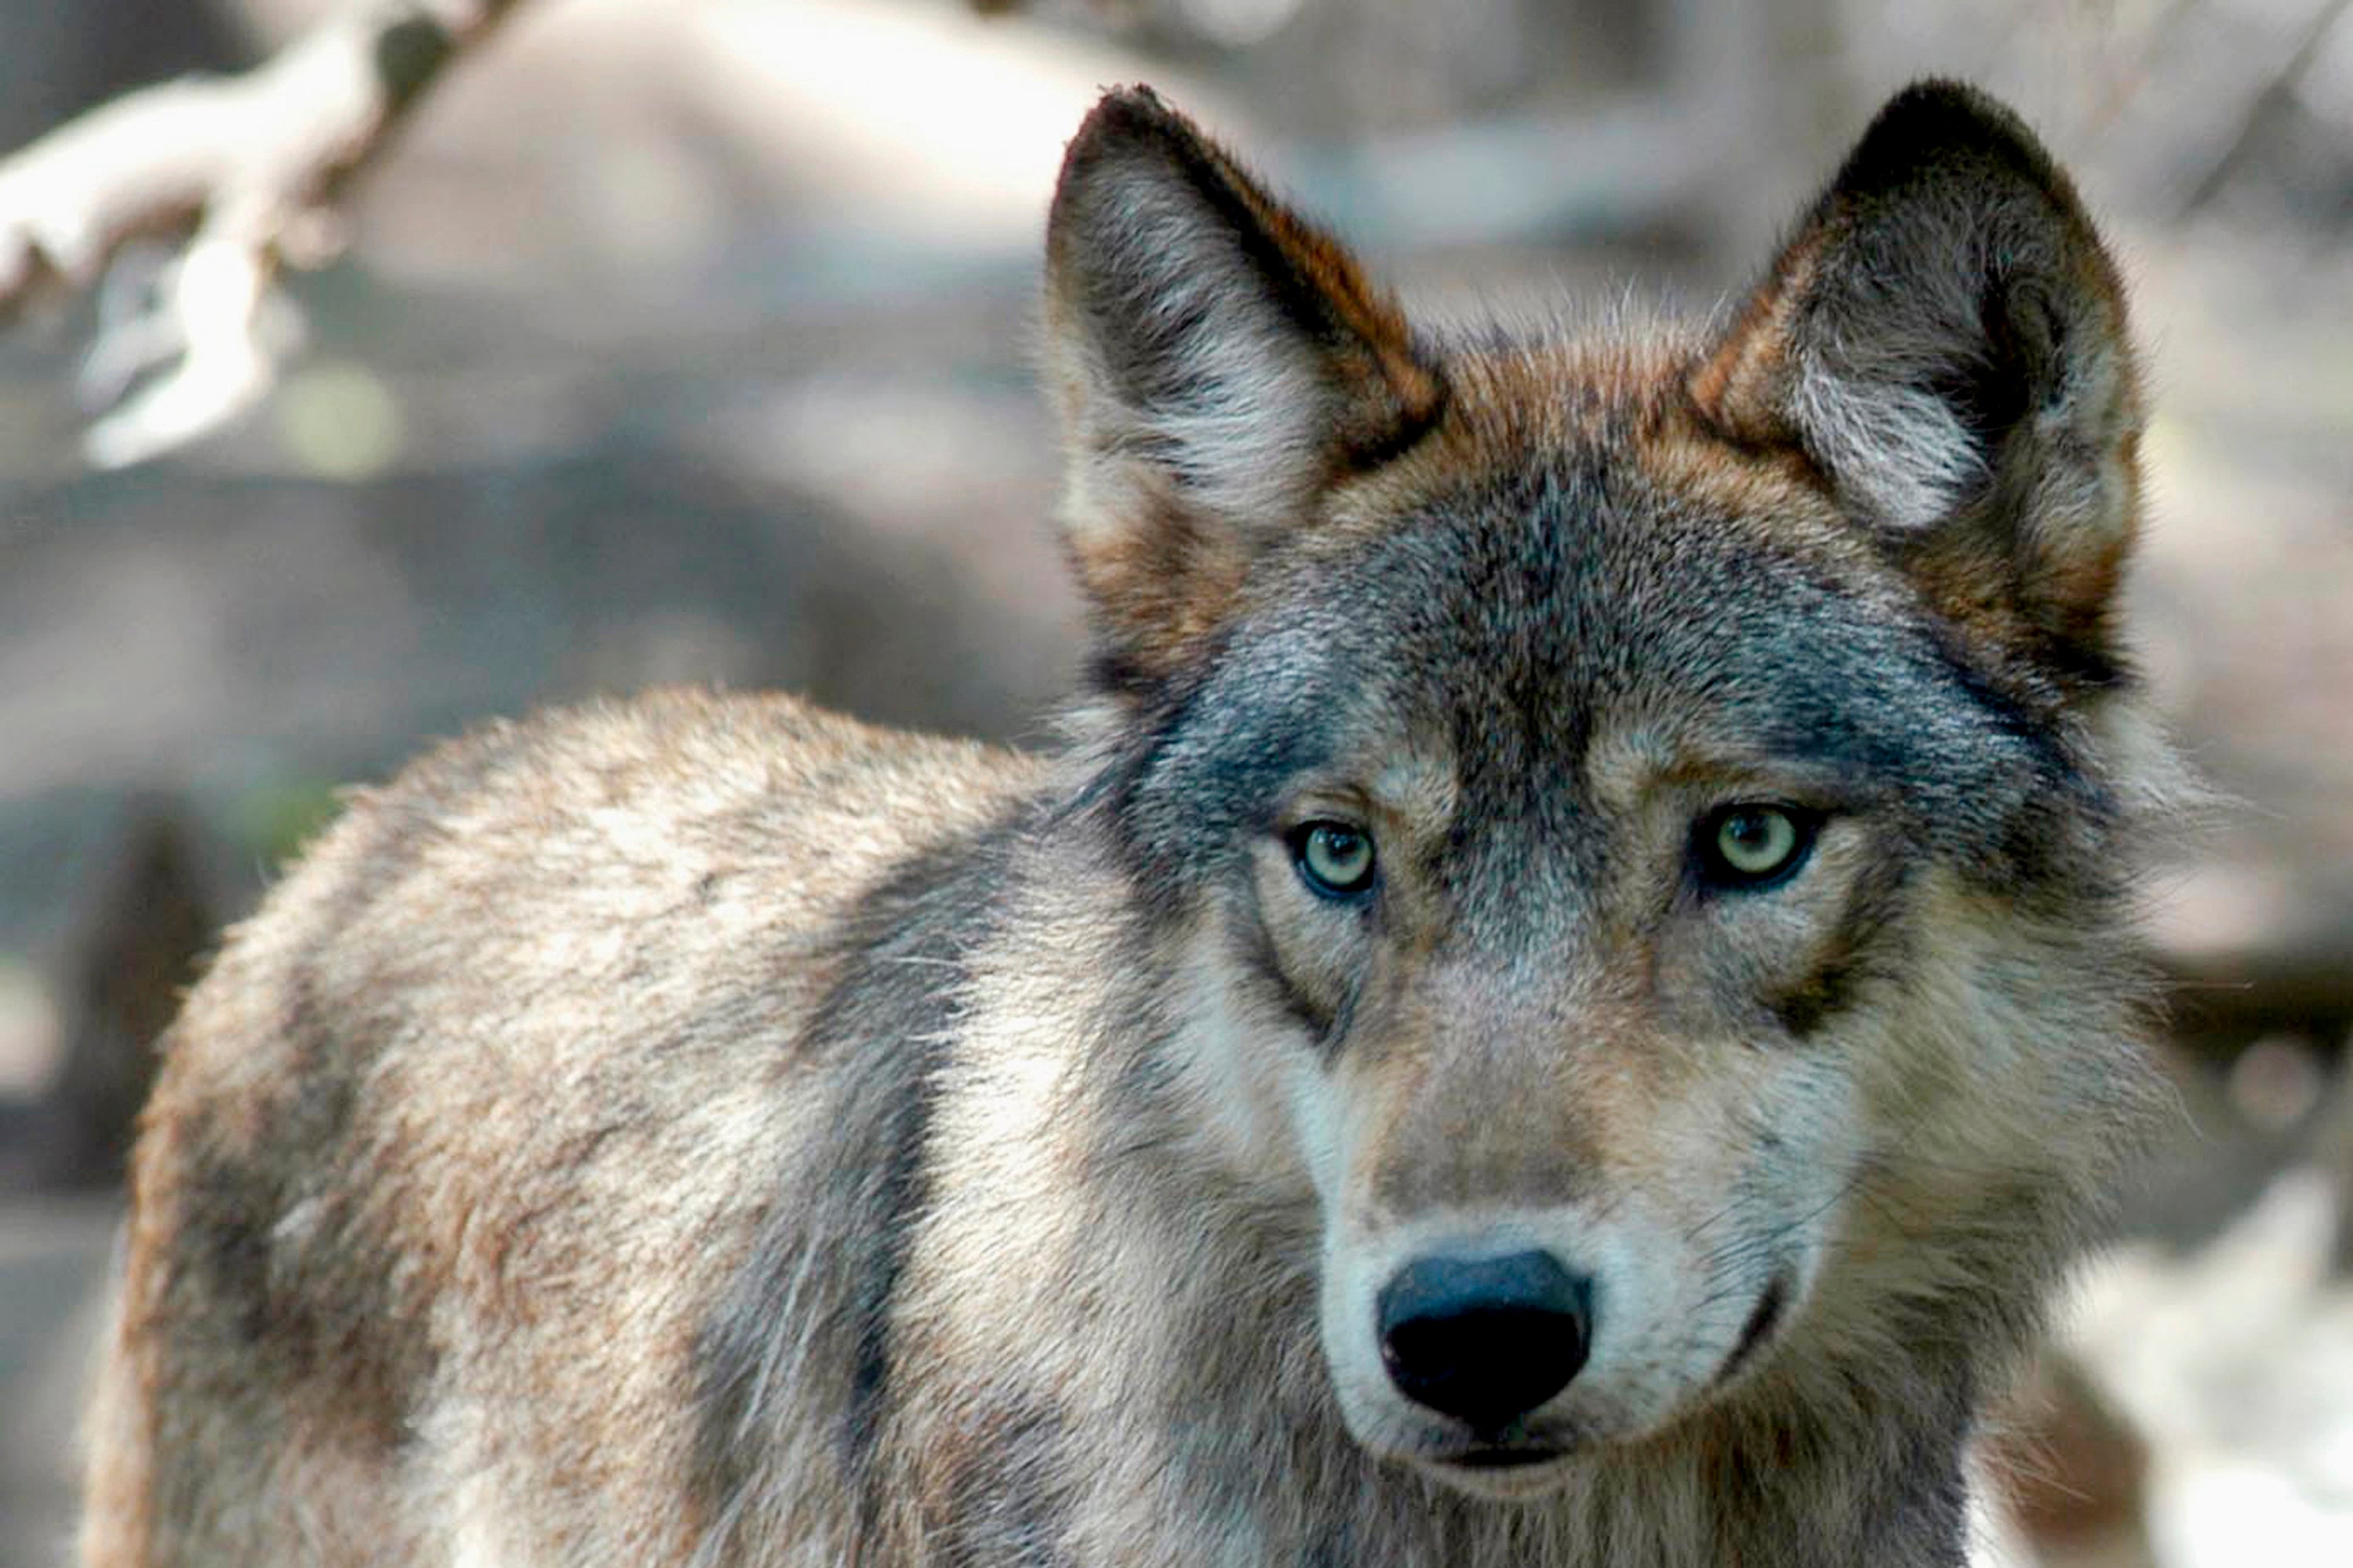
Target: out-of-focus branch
[{"x": 247, "y": 168}]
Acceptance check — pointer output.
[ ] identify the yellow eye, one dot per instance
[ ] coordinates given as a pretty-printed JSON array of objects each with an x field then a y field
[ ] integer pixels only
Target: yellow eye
[
  {"x": 1748, "y": 847},
  {"x": 1333, "y": 859}
]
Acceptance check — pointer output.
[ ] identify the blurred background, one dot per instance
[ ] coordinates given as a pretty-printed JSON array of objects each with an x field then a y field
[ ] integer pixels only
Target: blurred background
[{"x": 688, "y": 341}]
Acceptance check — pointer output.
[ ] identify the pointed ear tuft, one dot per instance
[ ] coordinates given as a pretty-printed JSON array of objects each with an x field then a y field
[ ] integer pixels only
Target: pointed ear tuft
[
  {"x": 1220, "y": 362},
  {"x": 1944, "y": 339}
]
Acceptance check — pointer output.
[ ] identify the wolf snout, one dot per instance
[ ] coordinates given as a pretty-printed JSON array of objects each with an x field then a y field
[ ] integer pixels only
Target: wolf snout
[{"x": 1485, "y": 1339}]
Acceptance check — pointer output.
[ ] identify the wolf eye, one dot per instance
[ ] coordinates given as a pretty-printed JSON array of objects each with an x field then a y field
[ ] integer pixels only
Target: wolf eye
[
  {"x": 1749, "y": 846},
  {"x": 1333, "y": 859}
]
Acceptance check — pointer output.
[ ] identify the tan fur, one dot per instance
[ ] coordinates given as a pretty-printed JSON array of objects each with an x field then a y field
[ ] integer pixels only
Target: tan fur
[{"x": 705, "y": 1131}]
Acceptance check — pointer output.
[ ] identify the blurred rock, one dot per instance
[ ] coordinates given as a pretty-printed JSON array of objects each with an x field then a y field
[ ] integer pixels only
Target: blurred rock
[
  {"x": 2073, "y": 1470},
  {"x": 2235, "y": 1365}
]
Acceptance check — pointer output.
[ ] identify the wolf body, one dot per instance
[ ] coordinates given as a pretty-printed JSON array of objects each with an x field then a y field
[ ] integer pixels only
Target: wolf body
[{"x": 1559, "y": 1006}]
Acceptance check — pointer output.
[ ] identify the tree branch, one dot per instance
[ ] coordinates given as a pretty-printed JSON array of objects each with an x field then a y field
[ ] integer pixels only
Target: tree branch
[{"x": 246, "y": 168}]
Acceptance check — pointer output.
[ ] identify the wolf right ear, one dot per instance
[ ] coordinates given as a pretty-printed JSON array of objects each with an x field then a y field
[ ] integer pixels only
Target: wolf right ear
[
  {"x": 1943, "y": 341},
  {"x": 1219, "y": 362}
]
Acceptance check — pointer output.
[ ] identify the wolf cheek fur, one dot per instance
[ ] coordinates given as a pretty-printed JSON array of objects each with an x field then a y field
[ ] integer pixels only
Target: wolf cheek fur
[{"x": 1561, "y": 1004}]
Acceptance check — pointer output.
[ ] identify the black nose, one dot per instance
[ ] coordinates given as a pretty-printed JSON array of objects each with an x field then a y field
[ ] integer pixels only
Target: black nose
[{"x": 1487, "y": 1340}]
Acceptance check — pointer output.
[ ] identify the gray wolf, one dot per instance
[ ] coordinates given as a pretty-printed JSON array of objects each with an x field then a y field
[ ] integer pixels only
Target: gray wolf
[{"x": 1562, "y": 998}]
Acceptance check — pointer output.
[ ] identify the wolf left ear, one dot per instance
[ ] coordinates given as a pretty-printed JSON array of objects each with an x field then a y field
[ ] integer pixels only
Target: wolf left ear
[
  {"x": 1944, "y": 340},
  {"x": 1220, "y": 363}
]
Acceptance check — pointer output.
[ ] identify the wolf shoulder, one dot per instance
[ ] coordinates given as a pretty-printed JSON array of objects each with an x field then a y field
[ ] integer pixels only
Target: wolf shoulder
[
  {"x": 545, "y": 901},
  {"x": 473, "y": 1116}
]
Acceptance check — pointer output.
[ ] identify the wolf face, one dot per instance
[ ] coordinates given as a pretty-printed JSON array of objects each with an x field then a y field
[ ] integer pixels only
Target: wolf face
[{"x": 1642, "y": 818}]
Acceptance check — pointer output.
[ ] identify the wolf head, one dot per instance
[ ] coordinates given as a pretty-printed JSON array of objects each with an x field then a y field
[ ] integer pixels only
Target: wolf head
[{"x": 1642, "y": 819}]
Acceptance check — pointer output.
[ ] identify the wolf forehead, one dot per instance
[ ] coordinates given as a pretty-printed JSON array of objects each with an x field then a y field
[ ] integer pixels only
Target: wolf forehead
[{"x": 1567, "y": 573}]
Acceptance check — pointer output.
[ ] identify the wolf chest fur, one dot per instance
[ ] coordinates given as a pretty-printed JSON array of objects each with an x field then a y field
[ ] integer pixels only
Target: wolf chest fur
[{"x": 1558, "y": 1003}]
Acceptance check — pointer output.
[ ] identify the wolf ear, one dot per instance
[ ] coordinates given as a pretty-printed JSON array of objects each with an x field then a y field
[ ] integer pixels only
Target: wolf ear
[
  {"x": 1944, "y": 340},
  {"x": 1220, "y": 363}
]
